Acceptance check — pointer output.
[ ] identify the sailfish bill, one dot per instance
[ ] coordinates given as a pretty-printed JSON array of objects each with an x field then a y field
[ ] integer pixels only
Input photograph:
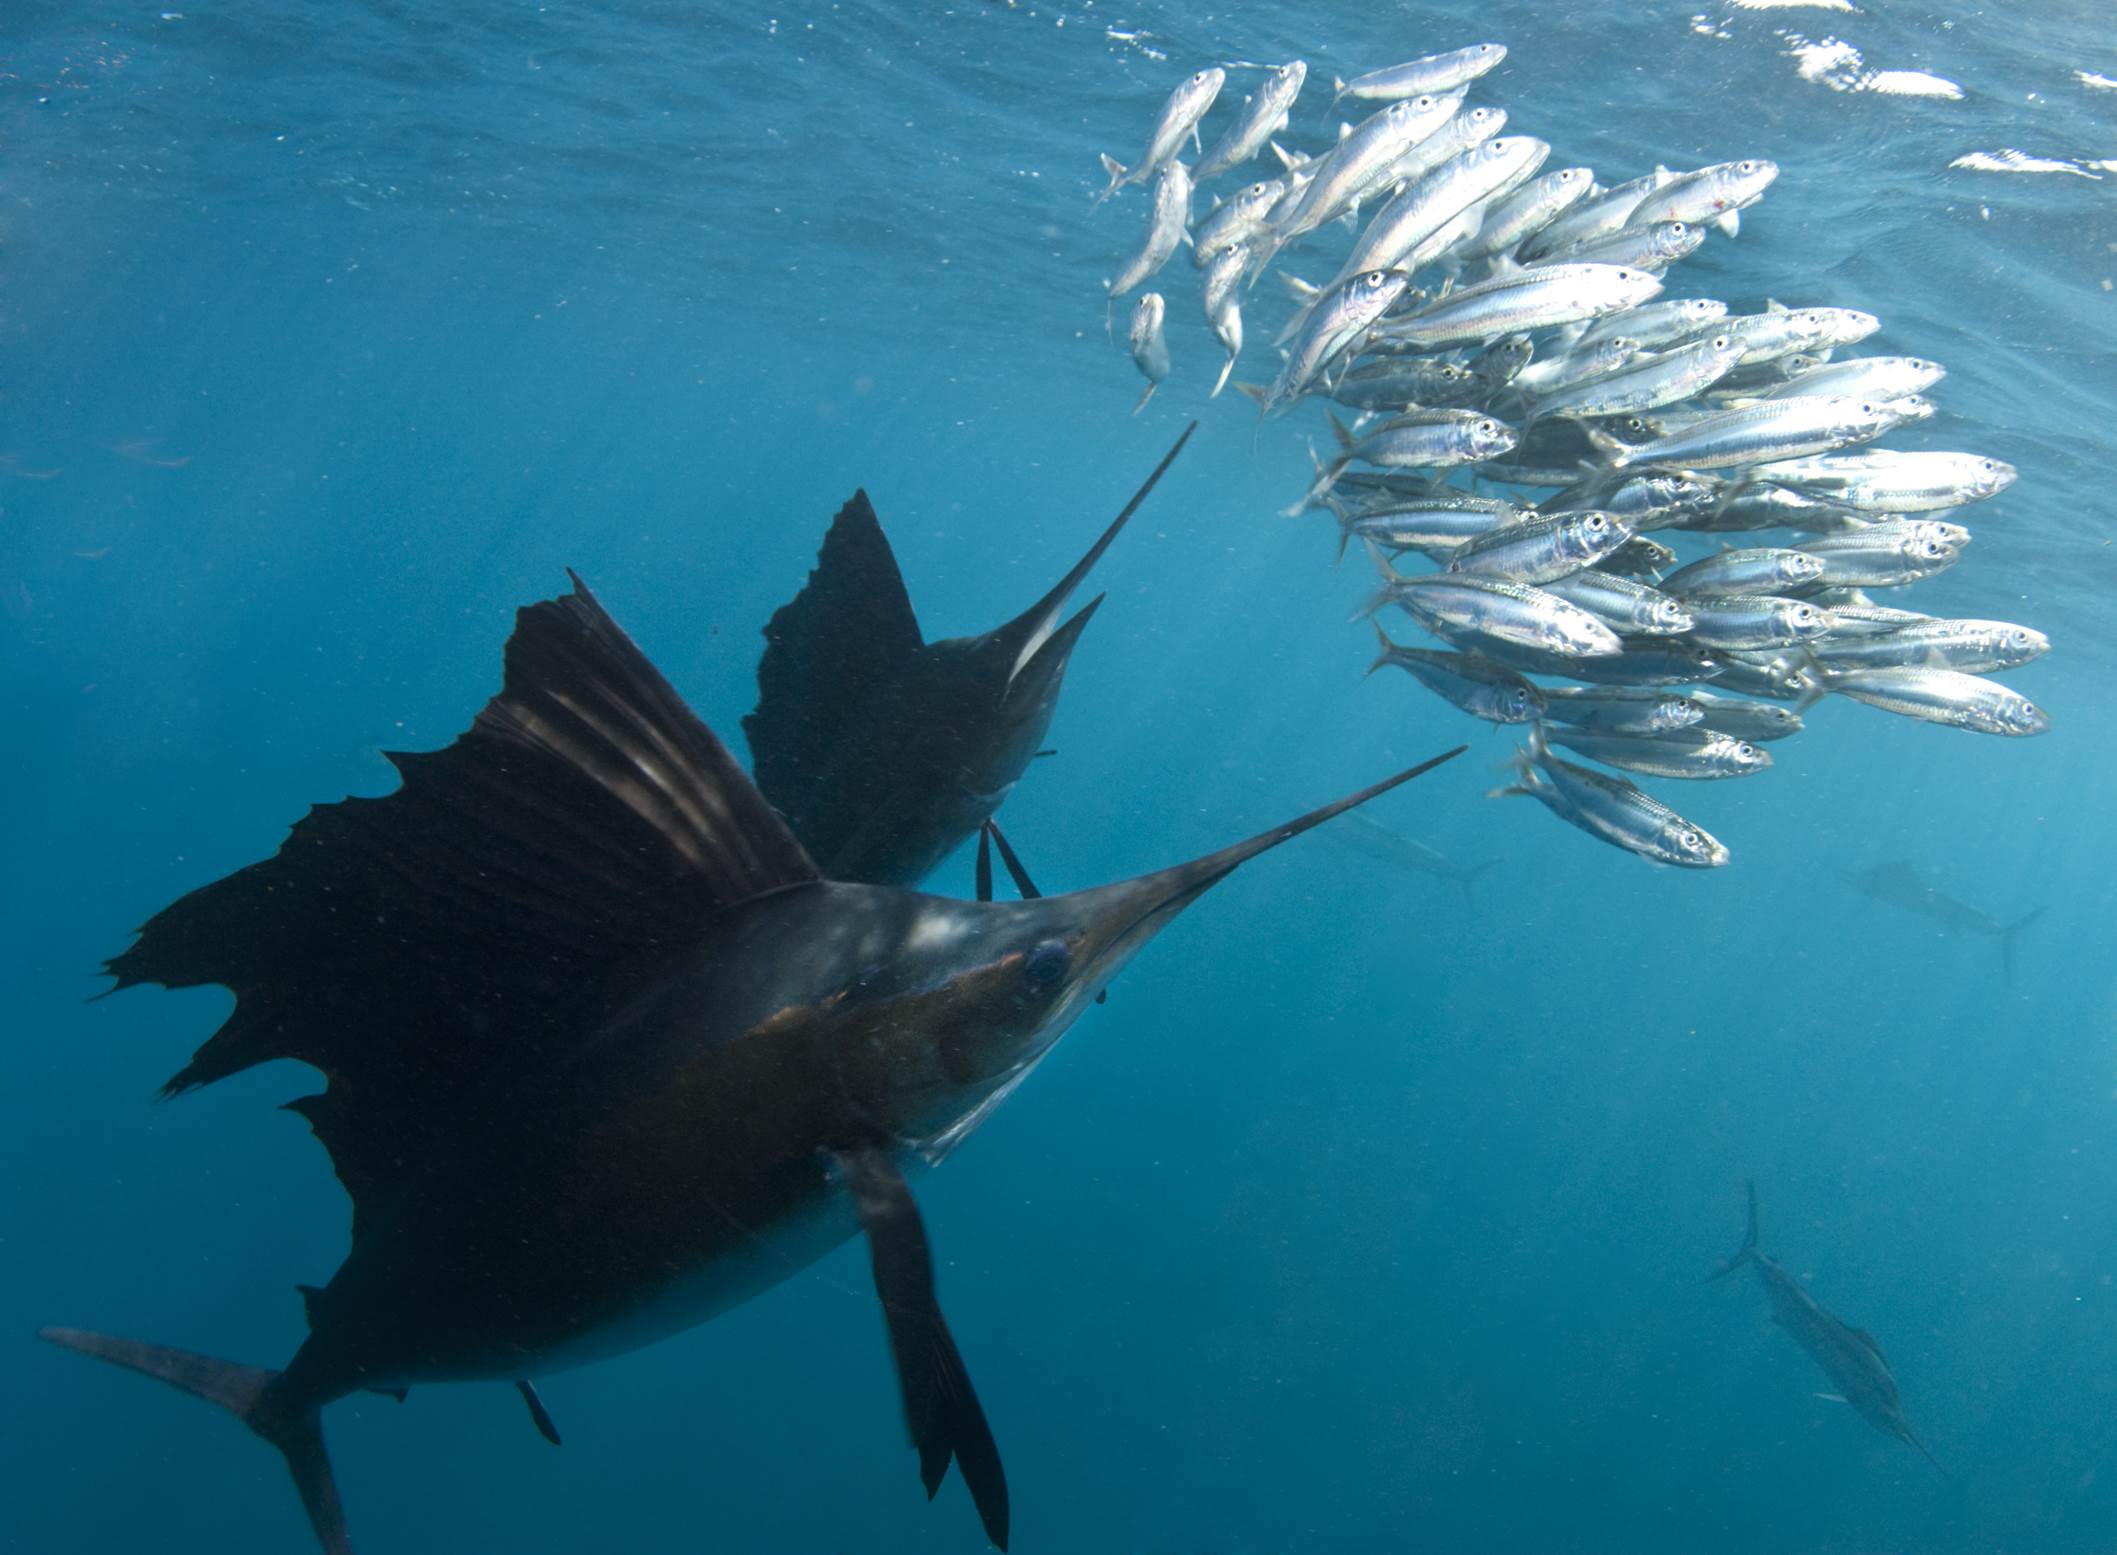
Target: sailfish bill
[
  {"x": 606, "y": 1055},
  {"x": 883, "y": 751}
]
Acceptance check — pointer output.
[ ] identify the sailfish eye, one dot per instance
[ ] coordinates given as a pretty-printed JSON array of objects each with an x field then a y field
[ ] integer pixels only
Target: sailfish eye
[{"x": 1045, "y": 966}]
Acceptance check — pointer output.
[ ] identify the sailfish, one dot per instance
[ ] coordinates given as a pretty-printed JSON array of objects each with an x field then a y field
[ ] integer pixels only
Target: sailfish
[
  {"x": 1849, "y": 1356},
  {"x": 606, "y": 1053},
  {"x": 883, "y": 751}
]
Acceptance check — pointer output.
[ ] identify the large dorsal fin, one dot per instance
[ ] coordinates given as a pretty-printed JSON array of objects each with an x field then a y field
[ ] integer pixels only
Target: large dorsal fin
[
  {"x": 486, "y": 911},
  {"x": 828, "y": 651}
]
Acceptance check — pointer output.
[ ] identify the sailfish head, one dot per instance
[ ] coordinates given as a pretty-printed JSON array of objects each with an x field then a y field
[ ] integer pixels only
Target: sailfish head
[
  {"x": 1025, "y": 660},
  {"x": 978, "y": 992}
]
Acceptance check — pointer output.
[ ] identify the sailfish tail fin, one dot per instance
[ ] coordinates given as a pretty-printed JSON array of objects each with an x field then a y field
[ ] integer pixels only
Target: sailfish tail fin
[
  {"x": 1748, "y": 1249},
  {"x": 249, "y": 1394}
]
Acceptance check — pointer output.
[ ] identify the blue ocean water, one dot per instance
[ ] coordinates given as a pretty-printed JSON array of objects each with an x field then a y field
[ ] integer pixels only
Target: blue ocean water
[{"x": 1361, "y": 1218}]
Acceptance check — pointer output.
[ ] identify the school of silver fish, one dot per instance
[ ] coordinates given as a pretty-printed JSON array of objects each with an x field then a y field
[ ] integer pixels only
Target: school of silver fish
[{"x": 1515, "y": 325}]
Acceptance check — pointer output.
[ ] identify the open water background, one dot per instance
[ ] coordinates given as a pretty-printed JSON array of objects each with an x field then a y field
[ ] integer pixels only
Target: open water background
[{"x": 1359, "y": 1219}]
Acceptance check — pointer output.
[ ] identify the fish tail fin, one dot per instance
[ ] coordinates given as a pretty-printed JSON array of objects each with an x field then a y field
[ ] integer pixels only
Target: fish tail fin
[
  {"x": 251, "y": 1394},
  {"x": 1117, "y": 171},
  {"x": 1221, "y": 382},
  {"x": 1344, "y": 516},
  {"x": 1337, "y": 430},
  {"x": 1385, "y": 649},
  {"x": 1146, "y": 394},
  {"x": 1748, "y": 1249},
  {"x": 1522, "y": 763},
  {"x": 2006, "y": 945}
]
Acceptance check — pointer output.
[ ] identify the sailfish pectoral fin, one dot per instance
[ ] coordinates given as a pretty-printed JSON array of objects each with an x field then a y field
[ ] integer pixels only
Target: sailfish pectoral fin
[
  {"x": 940, "y": 1406},
  {"x": 538, "y": 1414}
]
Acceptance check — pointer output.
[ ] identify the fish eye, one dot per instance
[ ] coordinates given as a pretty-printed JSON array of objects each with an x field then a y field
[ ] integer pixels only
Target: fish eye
[
  {"x": 1045, "y": 966},
  {"x": 1689, "y": 839},
  {"x": 1596, "y": 523},
  {"x": 1745, "y": 167},
  {"x": 1745, "y": 750},
  {"x": 1721, "y": 342}
]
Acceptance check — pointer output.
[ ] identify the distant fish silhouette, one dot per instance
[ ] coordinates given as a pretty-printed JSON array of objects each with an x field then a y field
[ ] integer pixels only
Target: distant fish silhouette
[
  {"x": 1899, "y": 884},
  {"x": 1389, "y": 846},
  {"x": 1849, "y": 1356},
  {"x": 143, "y": 450}
]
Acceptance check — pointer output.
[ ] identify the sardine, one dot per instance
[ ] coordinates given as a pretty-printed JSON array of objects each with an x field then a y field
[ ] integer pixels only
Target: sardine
[
  {"x": 1435, "y": 73},
  {"x": 1262, "y": 117},
  {"x": 1177, "y": 120},
  {"x": 1166, "y": 222},
  {"x": 1150, "y": 351},
  {"x": 1611, "y": 809},
  {"x": 1683, "y": 753},
  {"x": 1474, "y": 684},
  {"x": 1948, "y": 697}
]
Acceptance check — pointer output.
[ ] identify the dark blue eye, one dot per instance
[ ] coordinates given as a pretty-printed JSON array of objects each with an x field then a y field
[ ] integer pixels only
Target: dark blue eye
[{"x": 1046, "y": 965}]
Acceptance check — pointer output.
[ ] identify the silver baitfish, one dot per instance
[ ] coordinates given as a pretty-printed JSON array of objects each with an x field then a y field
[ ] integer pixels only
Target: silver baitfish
[
  {"x": 1429, "y": 204},
  {"x": 1434, "y": 524},
  {"x": 1333, "y": 323},
  {"x": 1685, "y": 753},
  {"x": 1528, "y": 299},
  {"x": 1753, "y": 620},
  {"x": 1166, "y": 222},
  {"x": 1754, "y": 721},
  {"x": 1771, "y": 429},
  {"x": 1887, "y": 481},
  {"x": 1949, "y": 697},
  {"x": 1651, "y": 248},
  {"x": 1346, "y": 171},
  {"x": 1434, "y": 73},
  {"x": 1870, "y": 377},
  {"x": 1628, "y": 607},
  {"x": 1540, "y": 549},
  {"x": 1622, "y": 709},
  {"x": 1658, "y": 324},
  {"x": 1883, "y": 555},
  {"x": 1509, "y": 219},
  {"x": 1610, "y": 809},
  {"x": 1150, "y": 350},
  {"x": 1474, "y": 684},
  {"x": 1223, "y": 306},
  {"x": 1237, "y": 219},
  {"x": 1745, "y": 572},
  {"x": 1710, "y": 196},
  {"x": 1503, "y": 612},
  {"x": 1262, "y": 117},
  {"x": 1645, "y": 383},
  {"x": 1177, "y": 121},
  {"x": 1976, "y": 647}
]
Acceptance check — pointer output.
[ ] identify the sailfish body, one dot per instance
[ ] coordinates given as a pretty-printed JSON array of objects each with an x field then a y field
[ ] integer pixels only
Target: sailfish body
[
  {"x": 1849, "y": 1356},
  {"x": 606, "y": 1055},
  {"x": 884, "y": 752}
]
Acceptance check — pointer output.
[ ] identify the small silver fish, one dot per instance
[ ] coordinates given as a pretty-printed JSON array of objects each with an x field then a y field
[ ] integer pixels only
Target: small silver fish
[
  {"x": 1476, "y": 685},
  {"x": 1166, "y": 222},
  {"x": 1682, "y": 753},
  {"x": 1753, "y": 620},
  {"x": 1177, "y": 120},
  {"x": 1530, "y": 299},
  {"x": 1540, "y": 549},
  {"x": 1752, "y": 721},
  {"x": 1948, "y": 697},
  {"x": 1150, "y": 352},
  {"x": 1435, "y": 73},
  {"x": 1262, "y": 117},
  {"x": 1760, "y": 570},
  {"x": 1505, "y": 612},
  {"x": 1712, "y": 195},
  {"x": 1610, "y": 809}
]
